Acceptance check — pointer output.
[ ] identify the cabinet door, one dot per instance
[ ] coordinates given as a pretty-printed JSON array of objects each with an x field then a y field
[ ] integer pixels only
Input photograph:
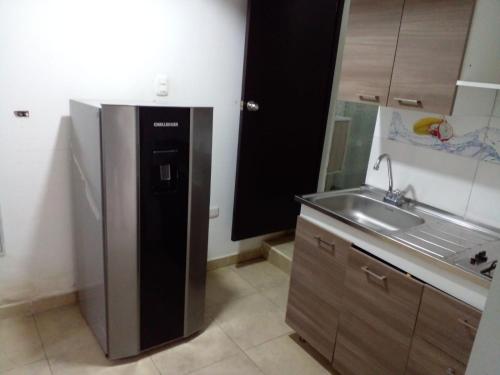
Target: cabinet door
[
  {"x": 368, "y": 58},
  {"x": 426, "y": 359},
  {"x": 316, "y": 286},
  {"x": 380, "y": 307},
  {"x": 447, "y": 323},
  {"x": 429, "y": 55}
]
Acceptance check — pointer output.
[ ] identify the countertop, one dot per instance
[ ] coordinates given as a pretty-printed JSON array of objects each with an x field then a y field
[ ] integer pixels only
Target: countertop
[{"x": 436, "y": 264}]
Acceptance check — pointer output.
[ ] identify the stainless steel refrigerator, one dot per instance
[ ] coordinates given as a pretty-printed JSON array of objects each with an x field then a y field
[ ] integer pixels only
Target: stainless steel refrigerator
[{"x": 141, "y": 193}]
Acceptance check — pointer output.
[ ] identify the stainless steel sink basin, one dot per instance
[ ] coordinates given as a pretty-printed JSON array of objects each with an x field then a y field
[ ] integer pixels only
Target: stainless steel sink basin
[
  {"x": 417, "y": 226},
  {"x": 369, "y": 212}
]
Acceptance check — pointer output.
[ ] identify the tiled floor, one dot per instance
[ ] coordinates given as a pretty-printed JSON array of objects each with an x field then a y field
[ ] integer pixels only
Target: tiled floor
[{"x": 245, "y": 335}]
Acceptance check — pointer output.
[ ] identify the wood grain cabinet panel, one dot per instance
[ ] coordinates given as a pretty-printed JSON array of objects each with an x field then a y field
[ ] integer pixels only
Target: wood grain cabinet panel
[
  {"x": 426, "y": 359},
  {"x": 380, "y": 308},
  {"x": 316, "y": 286},
  {"x": 447, "y": 324},
  {"x": 368, "y": 58},
  {"x": 431, "y": 46}
]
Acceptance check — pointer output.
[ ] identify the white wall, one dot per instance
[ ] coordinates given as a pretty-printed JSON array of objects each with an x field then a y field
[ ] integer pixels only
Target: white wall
[
  {"x": 54, "y": 50},
  {"x": 464, "y": 186}
]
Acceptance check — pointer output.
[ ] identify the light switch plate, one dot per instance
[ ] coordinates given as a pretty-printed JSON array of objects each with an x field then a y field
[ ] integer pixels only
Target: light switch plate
[
  {"x": 214, "y": 212},
  {"x": 161, "y": 83}
]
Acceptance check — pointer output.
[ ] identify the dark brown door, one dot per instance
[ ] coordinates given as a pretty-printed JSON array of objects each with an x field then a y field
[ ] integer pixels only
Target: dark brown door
[{"x": 290, "y": 58}]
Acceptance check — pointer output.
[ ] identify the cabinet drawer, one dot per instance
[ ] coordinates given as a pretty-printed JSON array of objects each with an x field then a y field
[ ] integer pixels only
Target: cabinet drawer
[
  {"x": 316, "y": 286},
  {"x": 379, "y": 313},
  {"x": 426, "y": 359},
  {"x": 447, "y": 323},
  {"x": 379, "y": 293},
  {"x": 312, "y": 238}
]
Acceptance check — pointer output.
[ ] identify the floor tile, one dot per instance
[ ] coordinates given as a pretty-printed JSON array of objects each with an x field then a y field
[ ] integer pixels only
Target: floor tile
[
  {"x": 252, "y": 320},
  {"x": 209, "y": 347},
  {"x": 37, "y": 368},
  {"x": 64, "y": 330},
  {"x": 284, "y": 356},
  {"x": 19, "y": 343},
  {"x": 223, "y": 285},
  {"x": 90, "y": 360},
  {"x": 59, "y": 321},
  {"x": 238, "y": 364},
  {"x": 278, "y": 294},
  {"x": 260, "y": 274}
]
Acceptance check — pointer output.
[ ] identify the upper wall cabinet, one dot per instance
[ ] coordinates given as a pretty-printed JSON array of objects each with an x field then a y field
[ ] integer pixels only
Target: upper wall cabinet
[
  {"x": 405, "y": 53},
  {"x": 372, "y": 36},
  {"x": 429, "y": 55}
]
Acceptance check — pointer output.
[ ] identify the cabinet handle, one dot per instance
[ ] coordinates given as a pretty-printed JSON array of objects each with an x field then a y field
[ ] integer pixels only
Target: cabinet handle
[
  {"x": 373, "y": 274},
  {"x": 464, "y": 322},
  {"x": 409, "y": 102},
  {"x": 369, "y": 98},
  {"x": 321, "y": 241}
]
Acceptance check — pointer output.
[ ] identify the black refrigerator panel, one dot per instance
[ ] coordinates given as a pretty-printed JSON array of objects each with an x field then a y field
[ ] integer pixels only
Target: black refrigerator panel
[{"x": 164, "y": 135}]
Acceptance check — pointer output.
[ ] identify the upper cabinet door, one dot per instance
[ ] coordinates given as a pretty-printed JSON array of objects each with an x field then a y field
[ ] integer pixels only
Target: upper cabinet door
[
  {"x": 372, "y": 35},
  {"x": 429, "y": 55}
]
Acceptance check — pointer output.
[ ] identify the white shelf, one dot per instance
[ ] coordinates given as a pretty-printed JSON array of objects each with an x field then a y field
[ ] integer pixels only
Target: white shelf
[{"x": 480, "y": 85}]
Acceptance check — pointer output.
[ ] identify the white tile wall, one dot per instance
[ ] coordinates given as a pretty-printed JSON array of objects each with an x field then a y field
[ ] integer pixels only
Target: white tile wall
[
  {"x": 461, "y": 185},
  {"x": 484, "y": 203},
  {"x": 496, "y": 111},
  {"x": 429, "y": 176}
]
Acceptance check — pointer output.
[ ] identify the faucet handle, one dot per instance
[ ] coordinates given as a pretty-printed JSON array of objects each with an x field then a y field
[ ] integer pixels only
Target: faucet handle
[{"x": 395, "y": 197}]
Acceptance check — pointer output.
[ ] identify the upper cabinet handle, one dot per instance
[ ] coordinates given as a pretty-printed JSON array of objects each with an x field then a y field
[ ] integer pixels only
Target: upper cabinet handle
[
  {"x": 464, "y": 322},
  {"x": 369, "y": 98},
  {"x": 321, "y": 241},
  {"x": 409, "y": 102},
  {"x": 373, "y": 274}
]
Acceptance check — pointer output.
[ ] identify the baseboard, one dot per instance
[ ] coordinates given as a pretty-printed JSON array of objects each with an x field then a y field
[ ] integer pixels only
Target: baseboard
[
  {"x": 39, "y": 305},
  {"x": 229, "y": 260},
  {"x": 28, "y": 308}
]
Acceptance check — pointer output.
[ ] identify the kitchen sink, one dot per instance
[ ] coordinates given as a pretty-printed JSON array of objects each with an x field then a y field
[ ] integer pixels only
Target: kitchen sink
[
  {"x": 369, "y": 212},
  {"x": 414, "y": 225}
]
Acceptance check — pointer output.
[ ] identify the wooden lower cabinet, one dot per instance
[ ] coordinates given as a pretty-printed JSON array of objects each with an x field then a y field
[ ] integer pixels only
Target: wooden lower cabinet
[
  {"x": 447, "y": 323},
  {"x": 426, "y": 359},
  {"x": 316, "y": 286},
  {"x": 369, "y": 318},
  {"x": 379, "y": 313}
]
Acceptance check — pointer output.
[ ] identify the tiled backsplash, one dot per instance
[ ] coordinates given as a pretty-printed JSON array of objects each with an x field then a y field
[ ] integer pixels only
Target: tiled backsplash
[{"x": 461, "y": 175}]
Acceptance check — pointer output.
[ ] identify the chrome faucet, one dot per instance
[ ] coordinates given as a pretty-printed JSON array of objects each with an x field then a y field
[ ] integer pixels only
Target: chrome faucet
[{"x": 394, "y": 197}]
